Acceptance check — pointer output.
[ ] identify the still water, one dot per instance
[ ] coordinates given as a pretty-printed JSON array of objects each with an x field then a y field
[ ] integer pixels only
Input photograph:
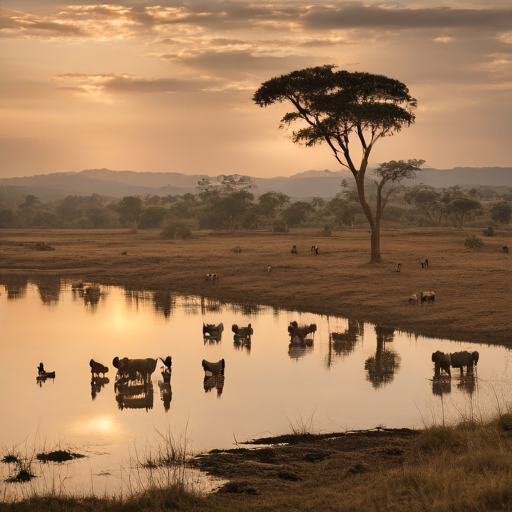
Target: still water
[{"x": 371, "y": 377}]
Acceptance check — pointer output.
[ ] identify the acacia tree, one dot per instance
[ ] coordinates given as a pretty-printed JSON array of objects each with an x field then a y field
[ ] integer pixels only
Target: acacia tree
[{"x": 332, "y": 106}]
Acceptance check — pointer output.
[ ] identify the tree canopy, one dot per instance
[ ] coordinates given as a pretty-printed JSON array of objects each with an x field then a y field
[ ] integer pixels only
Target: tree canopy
[{"x": 332, "y": 105}]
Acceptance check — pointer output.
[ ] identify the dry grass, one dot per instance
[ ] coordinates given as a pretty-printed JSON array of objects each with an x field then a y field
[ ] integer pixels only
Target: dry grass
[{"x": 472, "y": 287}]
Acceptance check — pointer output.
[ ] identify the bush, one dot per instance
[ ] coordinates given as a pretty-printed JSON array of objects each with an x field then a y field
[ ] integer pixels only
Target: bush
[
  {"x": 473, "y": 242},
  {"x": 174, "y": 230},
  {"x": 489, "y": 231},
  {"x": 280, "y": 227}
]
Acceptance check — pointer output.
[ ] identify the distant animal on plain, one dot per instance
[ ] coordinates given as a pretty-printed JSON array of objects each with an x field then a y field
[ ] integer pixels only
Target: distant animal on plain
[
  {"x": 294, "y": 250},
  {"x": 314, "y": 249},
  {"x": 237, "y": 249},
  {"x": 211, "y": 277},
  {"x": 398, "y": 267},
  {"x": 97, "y": 368},
  {"x": 428, "y": 297},
  {"x": 269, "y": 269},
  {"x": 505, "y": 249},
  {"x": 413, "y": 299},
  {"x": 124, "y": 253},
  {"x": 424, "y": 263}
]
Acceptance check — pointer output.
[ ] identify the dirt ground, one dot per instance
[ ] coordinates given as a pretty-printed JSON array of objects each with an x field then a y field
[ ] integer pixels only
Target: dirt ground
[{"x": 472, "y": 288}]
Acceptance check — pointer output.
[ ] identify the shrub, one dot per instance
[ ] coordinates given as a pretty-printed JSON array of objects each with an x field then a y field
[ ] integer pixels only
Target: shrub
[
  {"x": 489, "y": 231},
  {"x": 280, "y": 227},
  {"x": 473, "y": 242},
  {"x": 174, "y": 230}
]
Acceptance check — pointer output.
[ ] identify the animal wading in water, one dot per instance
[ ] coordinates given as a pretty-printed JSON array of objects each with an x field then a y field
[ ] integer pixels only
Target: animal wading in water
[
  {"x": 455, "y": 360},
  {"x": 212, "y": 330},
  {"x": 302, "y": 331},
  {"x": 242, "y": 332},
  {"x": 135, "y": 368},
  {"x": 442, "y": 362},
  {"x": 97, "y": 368}
]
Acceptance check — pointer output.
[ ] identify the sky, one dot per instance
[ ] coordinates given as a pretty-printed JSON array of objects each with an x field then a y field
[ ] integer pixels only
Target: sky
[{"x": 167, "y": 86}]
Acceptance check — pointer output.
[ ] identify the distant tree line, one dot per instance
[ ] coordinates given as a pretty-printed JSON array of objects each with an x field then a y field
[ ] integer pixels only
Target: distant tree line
[{"x": 214, "y": 209}]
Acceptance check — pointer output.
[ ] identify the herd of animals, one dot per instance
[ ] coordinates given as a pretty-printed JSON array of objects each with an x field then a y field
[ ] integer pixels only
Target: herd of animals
[{"x": 422, "y": 297}]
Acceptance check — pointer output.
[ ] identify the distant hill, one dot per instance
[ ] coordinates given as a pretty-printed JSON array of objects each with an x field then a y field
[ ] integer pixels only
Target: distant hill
[{"x": 117, "y": 184}]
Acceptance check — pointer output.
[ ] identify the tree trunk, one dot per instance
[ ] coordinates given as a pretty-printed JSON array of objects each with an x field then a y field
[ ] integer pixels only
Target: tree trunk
[{"x": 375, "y": 245}]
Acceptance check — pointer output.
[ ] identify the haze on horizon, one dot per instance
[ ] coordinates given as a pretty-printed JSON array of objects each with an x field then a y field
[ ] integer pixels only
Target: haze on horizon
[{"x": 167, "y": 86}]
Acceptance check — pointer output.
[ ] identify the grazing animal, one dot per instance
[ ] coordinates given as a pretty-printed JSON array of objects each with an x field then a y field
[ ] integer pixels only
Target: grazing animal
[
  {"x": 134, "y": 368},
  {"x": 424, "y": 263},
  {"x": 314, "y": 249},
  {"x": 269, "y": 269},
  {"x": 237, "y": 249},
  {"x": 442, "y": 362},
  {"x": 398, "y": 267},
  {"x": 124, "y": 253},
  {"x": 413, "y": 299},
  {"x": 211, "y": 277},
  {"x": 215, "y": 331},
  {"x": 428, "y": 297},
  {"x": 43, "y": 374},
  {"x": 97, "y": 368},
  {"x": 505, "y": 249},
  {"x": 294, "y": 250},
  {"x": 302, "y": 331},
  {"x": 465, "y": 358},
  {"x": 242, "y": 332}
]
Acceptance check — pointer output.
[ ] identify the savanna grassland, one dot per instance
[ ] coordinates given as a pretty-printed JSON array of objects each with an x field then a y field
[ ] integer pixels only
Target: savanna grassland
[
  {"x": 472, "y": 287},
  {"x": 465, "y": 467}
]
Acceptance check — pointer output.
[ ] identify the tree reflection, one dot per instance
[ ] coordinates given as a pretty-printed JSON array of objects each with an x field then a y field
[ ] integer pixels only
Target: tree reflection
[
  {"x": 381, "y": 368},
  {"x": 49, "y": 288},
  {"x": 15, "y": 286},
  {"x": 441, "y": 385},
  {"x": 341, "y": 344},
  {"x": 164, "y": 302}
]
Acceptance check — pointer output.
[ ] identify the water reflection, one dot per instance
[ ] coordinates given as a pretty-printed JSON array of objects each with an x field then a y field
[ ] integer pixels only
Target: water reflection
[
  {"x": 381, "y": 368},
  {"x": 90, "y": 294},
  {"x": 134, "y": 396},
  {"x": 49, "y": 289},
  {"x": 212, "y": 333},
  {"x": 343, "y": 343},
  {"x": 15, "y": 286},
  {"x": 97, "y": 384}
]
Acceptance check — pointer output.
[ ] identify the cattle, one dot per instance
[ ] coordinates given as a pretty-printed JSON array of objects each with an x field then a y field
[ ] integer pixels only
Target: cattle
[
  {"x": 314, "y": 249},
  {"x": 398, "y": 267},
  {"x": 97, "y": 368},
  {"x": 505, "y": 249},
  {"x": 211, "y": 277},
  {"x": 424, "y": 263},
  {"x": 302, "y": 331},
  {"x": 135, "y": 368},
  {"x": 442, "y": 362},
  {"x": 237, "y": 249},
  {"x": 428, "y": 297},
  {"x": 269, "y": 269},
  {"x": 242, "y": 332},
  {"x": 413, "y": 299},
  {"x": 212, "y": 330},
  {"x": 294, "y": 250}
]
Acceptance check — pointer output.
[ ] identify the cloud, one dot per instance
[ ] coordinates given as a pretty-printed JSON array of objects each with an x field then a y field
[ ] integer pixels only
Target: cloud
[
  {"x": 114, "y": 83},
  {"x": 354, "y": 15}
]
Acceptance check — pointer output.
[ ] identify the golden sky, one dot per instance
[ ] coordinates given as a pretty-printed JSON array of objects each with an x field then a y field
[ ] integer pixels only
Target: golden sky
[{"x": 167, "y": 86}]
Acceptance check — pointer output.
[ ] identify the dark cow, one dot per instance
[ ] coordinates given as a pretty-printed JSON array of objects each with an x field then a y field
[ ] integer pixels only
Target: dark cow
[{"x": 97, "y": 368}]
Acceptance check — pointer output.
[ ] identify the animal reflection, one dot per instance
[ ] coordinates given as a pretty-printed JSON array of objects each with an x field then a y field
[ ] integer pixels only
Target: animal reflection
[
  {"x": 90, "y": 294},
  {"x": 442, "y": 384},
  {"x": 299, "y": 350},
  {"x": 42, "y": 375},
  {"x": 165, "y": 385},
  {"x": 212, "y": 332},
  {"x": 214, "y": 375},
  {"x": 97, "y": 384},
  {"x": 133, "y": 386},
  {"x": 382, "y": 367}
]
